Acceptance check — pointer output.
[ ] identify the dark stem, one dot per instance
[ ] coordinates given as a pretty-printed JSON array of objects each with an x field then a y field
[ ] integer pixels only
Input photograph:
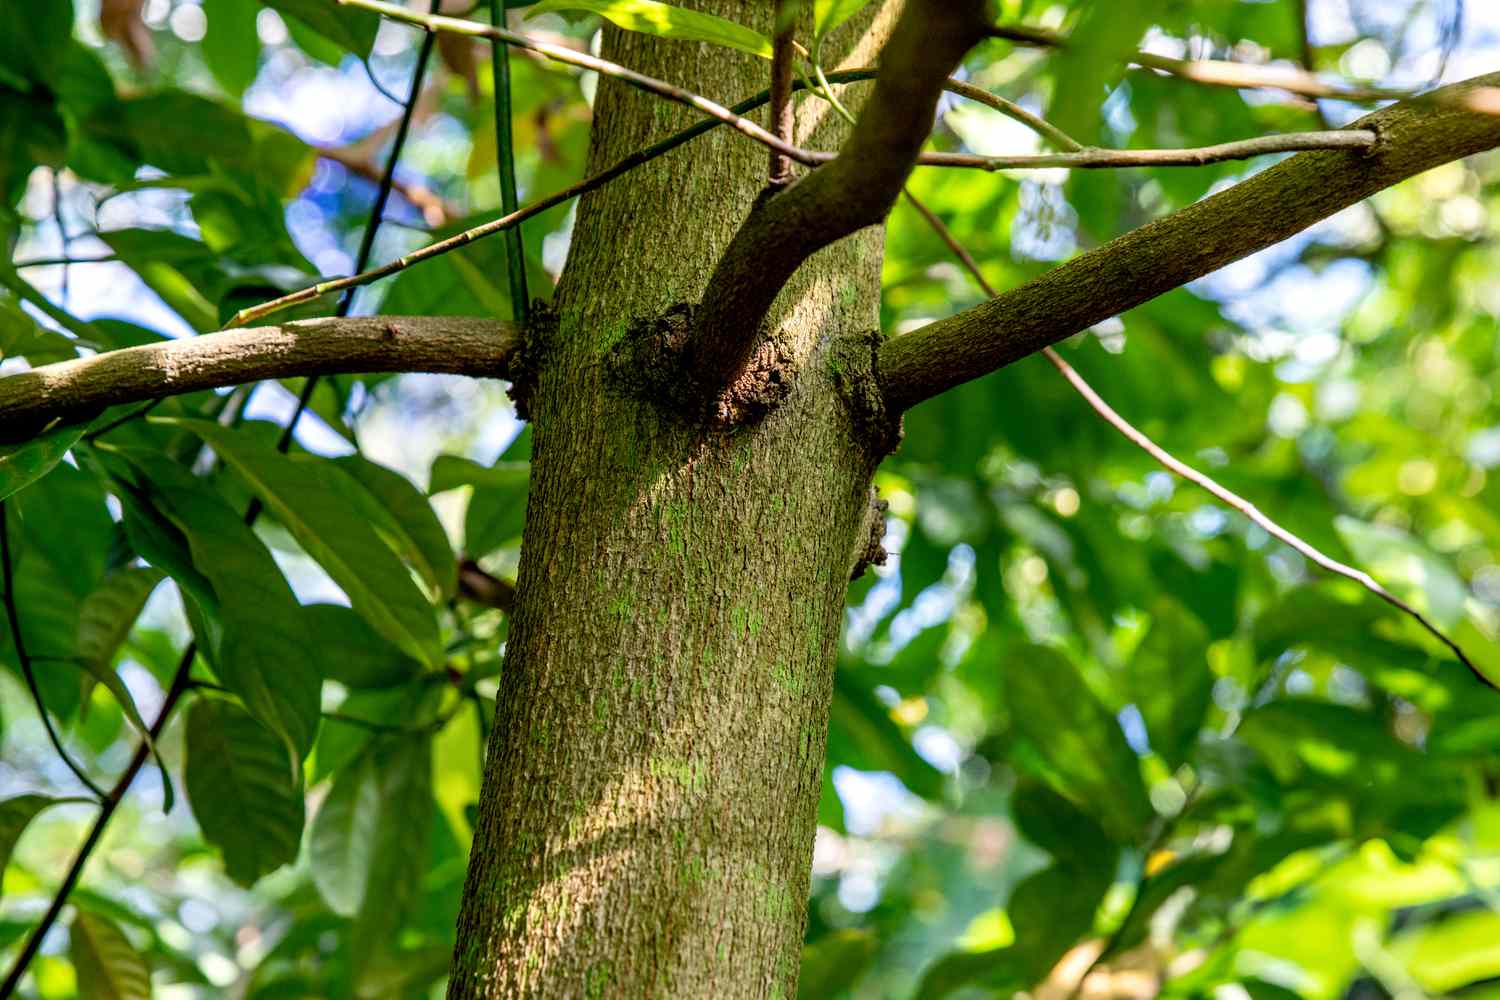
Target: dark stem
[
  {"x": 14, "y": 617},
  {"x": 505, "y": 161}
]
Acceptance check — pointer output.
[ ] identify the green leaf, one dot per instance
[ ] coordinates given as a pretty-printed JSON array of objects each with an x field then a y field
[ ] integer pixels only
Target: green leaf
[
  {"x": 231, "y": 45},
  {"x": 667, "y": 21},
  {"x": 262, "y": 654},
  {"x": 1063, "y": 830},
  {"x": 1171, "y": 682},
  {"x": 829, "y": 14},
  {"x": 23, "y": 464},
  {"x": 835, "y": 962},
  {"x": 106, "y": 965},
  {"x": 497, "y": 506},
  {"x": 1073, "y": 743},
  {"x": 1407, "y": 567},
  {"x": 862, "y": 734},
  {"x": 416, "y": 533},
  {"x": 107, "y": 615},
  {"x": 243, "y": 797},
  {"x": 312, "y": 498},
  {"x": 34, "y": 39},
  {"x": 369, "y": 840},
  {"x": 353, "y": 653},
  {"x": 347, "y": 27},
  {"x": 1094, "y": 61},
  {"x": 104, "y": 621},
  {"x": 1452, "y": 952},
  {"x": 15, "y": 814},
  {"x": 23, "y": 337}
]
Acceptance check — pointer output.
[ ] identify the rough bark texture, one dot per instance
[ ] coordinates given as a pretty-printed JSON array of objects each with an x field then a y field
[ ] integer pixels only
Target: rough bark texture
[
  {"x": 647, "y": 818},
  {"x": 336, "y": 346}
]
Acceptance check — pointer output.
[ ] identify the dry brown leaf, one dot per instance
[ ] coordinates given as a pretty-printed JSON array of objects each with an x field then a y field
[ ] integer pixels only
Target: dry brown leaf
[{"x": 121, "y": 22}]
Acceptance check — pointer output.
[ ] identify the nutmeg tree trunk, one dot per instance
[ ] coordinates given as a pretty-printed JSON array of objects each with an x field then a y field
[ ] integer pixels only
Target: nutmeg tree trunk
[{"x": 646, "y": 824}]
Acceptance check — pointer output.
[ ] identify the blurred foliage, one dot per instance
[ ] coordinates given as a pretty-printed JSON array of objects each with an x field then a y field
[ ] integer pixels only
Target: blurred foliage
[{"x": 1083, "y": 720}]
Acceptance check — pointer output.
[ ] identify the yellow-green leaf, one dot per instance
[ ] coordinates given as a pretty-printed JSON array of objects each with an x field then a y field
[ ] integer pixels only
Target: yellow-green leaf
[{"x": 652, "y": 18}]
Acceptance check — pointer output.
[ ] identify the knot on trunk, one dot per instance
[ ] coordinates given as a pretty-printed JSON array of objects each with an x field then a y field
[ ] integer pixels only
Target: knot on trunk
[
  {"x": 854, "y": 367},
  {"x": 655, "y": 359},
  {"x": 870, "y": 548},
  {"x": 526, "y": 362}
]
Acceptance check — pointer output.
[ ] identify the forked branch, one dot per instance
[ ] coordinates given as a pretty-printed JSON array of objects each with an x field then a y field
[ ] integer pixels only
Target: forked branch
[
  {"x": 1413, "y": 136},
  {"x": 853, "y": 191}
]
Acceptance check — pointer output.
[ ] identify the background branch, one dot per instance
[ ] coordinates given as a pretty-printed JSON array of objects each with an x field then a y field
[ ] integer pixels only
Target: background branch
[
  {"x": 1413, "y": 136},
  {"x": 333, "y": 346}
]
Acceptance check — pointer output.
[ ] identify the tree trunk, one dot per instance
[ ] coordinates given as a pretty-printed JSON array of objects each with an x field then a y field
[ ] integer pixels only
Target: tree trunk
[{"x": 649, "y": 802}]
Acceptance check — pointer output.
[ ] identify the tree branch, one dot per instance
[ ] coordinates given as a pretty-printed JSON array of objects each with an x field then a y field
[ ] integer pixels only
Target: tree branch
[
  {"x": 70, "y": 389},
  {"x": 1413, "y": 136},
  {"x": 853, "y": 191},
  {"x": 481, "y": 587}
]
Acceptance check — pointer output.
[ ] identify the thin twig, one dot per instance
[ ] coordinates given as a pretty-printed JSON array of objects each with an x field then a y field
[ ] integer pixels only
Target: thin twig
[
  {"x": 1208, "y": 483},
  {"x": 558, "y": 53},
  {"x": 783, "y": 114},
  {"x": 63, "y": 261},
  {"x": 14, "y": 618},
  {"x": 641, "y": 157},
  {"x": 1089, "y": 158}
]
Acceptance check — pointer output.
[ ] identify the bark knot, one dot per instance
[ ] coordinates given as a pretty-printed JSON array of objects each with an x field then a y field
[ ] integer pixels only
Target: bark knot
[
  {"x": 854, "y": 366},
  {"x": 655, "y": 359},
  {"x": 870, "y": 547},
  {"x": 530, "y": 355}
]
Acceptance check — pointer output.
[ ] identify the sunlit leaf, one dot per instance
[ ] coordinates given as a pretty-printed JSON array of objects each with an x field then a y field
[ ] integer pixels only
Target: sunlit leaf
[
  {"x": 313, "y": 499},
  {"x": 106, "y": 964},
  {"x": 15, "y": 814},
  {"x": 23, "y": 464},
  {"x": 653, "y": 18}
]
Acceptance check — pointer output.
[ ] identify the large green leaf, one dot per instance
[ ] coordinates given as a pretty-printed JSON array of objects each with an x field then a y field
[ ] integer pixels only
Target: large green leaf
[
  {"x": 23, "y": 464},
  {"x": 653, "y": 18},
  {"x": 412, "y": 526},
  {"x": 497, "y": 505},
  {"x": 106, "y": 965},
  {"x": 369, "y": 838},
  {"x": 354, "y": 654},
  {"x": 34, "y": 40},
  {"x": 231, "y": 46},
  {"x": 15, "y": 814},
  {"x": 829, "y": 14},
  {"x": 1073, "y": 743},
  {"x": 262, "y": 655},
  {"x": 244, "y": 798},
  {"x": 313, "y": 499},
  {"x": 1170, "y": 680},
  {"x": 348, "y": 27},
  {"x": 107, "y": 615}
]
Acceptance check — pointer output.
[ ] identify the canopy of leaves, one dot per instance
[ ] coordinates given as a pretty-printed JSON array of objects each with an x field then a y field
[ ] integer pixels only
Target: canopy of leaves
[{"x": 1084, "y": 719}]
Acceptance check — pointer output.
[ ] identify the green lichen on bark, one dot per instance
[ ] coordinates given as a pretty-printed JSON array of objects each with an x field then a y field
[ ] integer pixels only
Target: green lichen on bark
[{"x": 681, "y": 590}]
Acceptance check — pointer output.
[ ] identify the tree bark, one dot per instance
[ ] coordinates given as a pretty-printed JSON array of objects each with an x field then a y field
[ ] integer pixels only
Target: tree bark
[{"x": 646, "y": 822}]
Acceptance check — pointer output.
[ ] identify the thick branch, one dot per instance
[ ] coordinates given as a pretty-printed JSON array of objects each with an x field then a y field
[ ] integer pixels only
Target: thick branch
[
  {"x": 69, "y": 389},
  {"x": 1413, "y": 136},
  {"x": 855, "y": 190}
]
